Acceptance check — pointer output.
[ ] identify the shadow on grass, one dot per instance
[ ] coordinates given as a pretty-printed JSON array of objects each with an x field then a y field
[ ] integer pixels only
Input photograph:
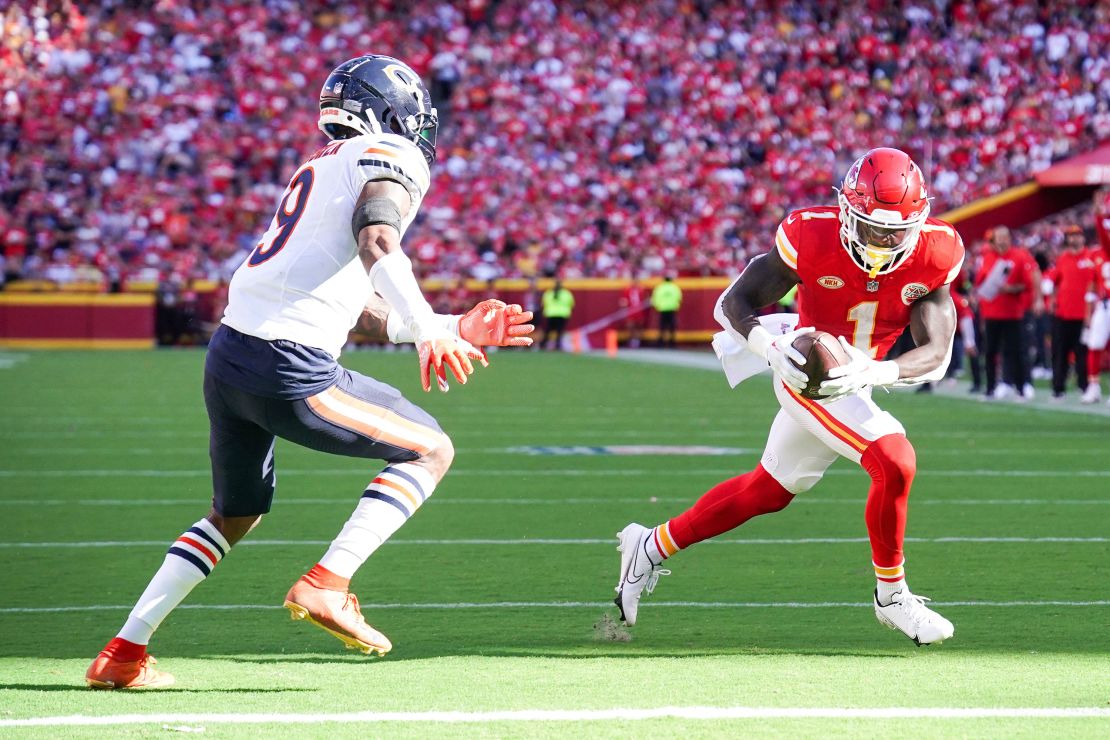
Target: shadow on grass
[
  {"x": 586, "y": 653},
  {"x": 173, "y": 689}
]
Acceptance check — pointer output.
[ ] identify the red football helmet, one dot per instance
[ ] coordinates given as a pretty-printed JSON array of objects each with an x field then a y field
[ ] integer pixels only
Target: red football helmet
[{"x": 883, "y": 205}]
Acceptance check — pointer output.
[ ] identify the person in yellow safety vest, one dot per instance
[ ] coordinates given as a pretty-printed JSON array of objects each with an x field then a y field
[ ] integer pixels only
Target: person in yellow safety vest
[
  {"x": 666, "y": 300},
  {"x": 558, "y": 302}
]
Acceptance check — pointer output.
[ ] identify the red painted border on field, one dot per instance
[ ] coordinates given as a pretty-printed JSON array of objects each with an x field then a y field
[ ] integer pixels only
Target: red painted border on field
[{"x": 65, "y": 320}]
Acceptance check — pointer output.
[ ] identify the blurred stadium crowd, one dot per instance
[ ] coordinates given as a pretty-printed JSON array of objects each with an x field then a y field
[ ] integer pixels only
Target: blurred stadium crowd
[{"x": 146, "y": 141}]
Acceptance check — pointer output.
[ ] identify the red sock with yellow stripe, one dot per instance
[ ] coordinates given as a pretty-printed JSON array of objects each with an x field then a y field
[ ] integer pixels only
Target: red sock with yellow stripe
[{"x": 726, "y": 506}]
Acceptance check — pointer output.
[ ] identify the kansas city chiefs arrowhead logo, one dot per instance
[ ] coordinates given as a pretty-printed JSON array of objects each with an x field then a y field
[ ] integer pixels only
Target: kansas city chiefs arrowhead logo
[
  {"x": 913, "y": 291},
  {"x": 832, "y": 282}
]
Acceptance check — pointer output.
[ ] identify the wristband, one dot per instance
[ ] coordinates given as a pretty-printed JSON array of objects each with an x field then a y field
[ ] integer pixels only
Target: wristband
[
  {"x": 886, "y": 372},
  {"x": 759, "y": 341},
  {"x": 398, "y": 333}
]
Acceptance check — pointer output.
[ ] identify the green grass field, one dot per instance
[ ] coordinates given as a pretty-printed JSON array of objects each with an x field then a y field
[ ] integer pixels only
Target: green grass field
[{"x": 494, "y": 593}]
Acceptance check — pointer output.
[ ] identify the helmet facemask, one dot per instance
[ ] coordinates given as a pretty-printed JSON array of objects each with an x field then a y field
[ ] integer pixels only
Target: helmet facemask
[{"x": 881, "y": 241}]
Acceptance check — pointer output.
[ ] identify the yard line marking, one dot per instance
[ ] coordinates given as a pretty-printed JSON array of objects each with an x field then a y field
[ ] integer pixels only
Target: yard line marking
[
  {"x": 573, "y": 715},
  {"x": 562, "y": 605},
  {"x": 524, "y": 473},
  {"x": 565, "y": 541},
  {"x": 351, "y": 500}
]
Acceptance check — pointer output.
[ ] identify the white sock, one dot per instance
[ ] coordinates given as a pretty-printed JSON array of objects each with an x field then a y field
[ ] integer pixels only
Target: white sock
[
  {"x": 189, "y": 561},
  {"x": 388, "y": 502},
  {"x": 885, "y": 590},
  {"x": 660, "y": 545}
]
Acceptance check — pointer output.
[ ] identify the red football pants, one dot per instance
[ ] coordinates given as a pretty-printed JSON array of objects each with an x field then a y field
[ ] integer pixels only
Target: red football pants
[
  {"x": 1094, "y": 363},
  {"x": 891, "y": 462}
]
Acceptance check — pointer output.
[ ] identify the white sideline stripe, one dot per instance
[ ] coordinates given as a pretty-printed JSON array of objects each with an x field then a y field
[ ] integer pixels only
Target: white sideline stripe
[
  {"x": 554, "y": 541},
  {"x": 560, "y": 605},
  {"x": 351, "y": 500},
  {"x": 525, "y": 472},
  {"x": 576, "y": 715}
]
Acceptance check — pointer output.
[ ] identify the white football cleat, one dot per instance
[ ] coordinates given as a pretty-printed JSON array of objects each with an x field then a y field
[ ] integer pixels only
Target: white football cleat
[
  {"x": 638, "y": 573},
  {"x": 907, "y": 612},
  {"x": 1093, "y": 394},
  {"x": 1003, "y": 392}
]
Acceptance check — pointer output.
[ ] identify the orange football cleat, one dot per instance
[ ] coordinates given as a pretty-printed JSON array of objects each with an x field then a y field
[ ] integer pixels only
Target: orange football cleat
[
  {"x": 337, "y": 613},
  {"x": 109, "y": 673}
]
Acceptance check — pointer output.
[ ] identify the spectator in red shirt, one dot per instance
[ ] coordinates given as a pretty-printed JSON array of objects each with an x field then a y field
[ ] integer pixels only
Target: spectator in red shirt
[
  {"x": 1004, "y": 285},
  {"x": 1073, "y": 277}
]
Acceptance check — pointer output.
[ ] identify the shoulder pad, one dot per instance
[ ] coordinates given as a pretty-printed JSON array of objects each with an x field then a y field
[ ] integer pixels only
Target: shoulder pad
[{"x": 387, "y": 156}]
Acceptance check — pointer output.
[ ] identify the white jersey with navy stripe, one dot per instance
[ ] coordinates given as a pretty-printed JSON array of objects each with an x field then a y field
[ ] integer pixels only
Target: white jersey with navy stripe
[{"x": 304, "y": 281}]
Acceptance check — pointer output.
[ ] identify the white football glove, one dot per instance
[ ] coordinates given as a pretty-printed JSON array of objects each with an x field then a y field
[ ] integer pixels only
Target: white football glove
[
  {"x": 785, "y": 361},
  {"x": 862, "y": 372},
  {"x": 1085, "y": 337}
]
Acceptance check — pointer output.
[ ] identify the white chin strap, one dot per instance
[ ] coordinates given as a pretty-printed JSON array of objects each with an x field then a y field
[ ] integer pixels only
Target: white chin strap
[{"x": 340, "y": 117}]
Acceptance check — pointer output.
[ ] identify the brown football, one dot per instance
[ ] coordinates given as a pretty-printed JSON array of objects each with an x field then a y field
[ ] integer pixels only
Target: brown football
[{"x": 822, "y": 352}]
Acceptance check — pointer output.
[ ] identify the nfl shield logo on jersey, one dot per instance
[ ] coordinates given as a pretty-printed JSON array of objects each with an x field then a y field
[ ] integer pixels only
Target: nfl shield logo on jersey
[{"x": 872, "y": 286}]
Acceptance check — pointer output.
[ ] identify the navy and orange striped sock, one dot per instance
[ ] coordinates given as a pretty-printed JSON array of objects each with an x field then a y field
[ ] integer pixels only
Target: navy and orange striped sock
[
  {"x": 189, "y": 561},
  {"x": 391, "y": 498}
]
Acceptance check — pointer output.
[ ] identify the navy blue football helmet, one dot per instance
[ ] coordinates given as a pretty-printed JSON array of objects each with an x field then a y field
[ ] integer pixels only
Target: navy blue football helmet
[{"x": 375, "y": 94}]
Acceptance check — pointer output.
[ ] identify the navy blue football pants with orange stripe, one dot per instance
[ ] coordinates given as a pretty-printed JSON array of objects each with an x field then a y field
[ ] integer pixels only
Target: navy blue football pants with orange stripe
[{"x": 356, "y": 417}]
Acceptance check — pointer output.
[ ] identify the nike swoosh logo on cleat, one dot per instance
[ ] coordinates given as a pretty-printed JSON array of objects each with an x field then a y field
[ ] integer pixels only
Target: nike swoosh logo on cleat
[{"x": 630, "y": 575}]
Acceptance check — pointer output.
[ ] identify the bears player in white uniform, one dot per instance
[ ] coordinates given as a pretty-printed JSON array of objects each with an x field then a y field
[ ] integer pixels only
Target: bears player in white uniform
[
  {"x": 330, "y": 262},
  {"x": 864, "y": 270}
]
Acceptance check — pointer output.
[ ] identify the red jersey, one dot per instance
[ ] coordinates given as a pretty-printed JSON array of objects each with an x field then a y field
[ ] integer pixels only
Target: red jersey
[
  {"x": 1073, "y": 276},
  {"x": 1102, "y": 220},
  {"x": 835, "y": 294},
  {"x": 1021, "y": 270}
]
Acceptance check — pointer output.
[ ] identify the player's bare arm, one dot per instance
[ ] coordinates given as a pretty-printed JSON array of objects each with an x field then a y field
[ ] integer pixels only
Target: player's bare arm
[
  {"x": 764, "y": 281},
  {"x": 373, "y": 321},
  {"x": 932, "y": 324}
]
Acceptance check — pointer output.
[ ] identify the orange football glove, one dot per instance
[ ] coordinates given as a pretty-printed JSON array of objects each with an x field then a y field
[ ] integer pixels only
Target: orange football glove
[
  {"x": 495, "y": 323},
  {"x": 440, "y": 351}
]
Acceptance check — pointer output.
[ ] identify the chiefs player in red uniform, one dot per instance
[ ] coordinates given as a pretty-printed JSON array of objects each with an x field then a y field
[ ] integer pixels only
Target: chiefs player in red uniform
[
  {"x": 1097, "y": 334},
  {"x": 864, "y": 272}
]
